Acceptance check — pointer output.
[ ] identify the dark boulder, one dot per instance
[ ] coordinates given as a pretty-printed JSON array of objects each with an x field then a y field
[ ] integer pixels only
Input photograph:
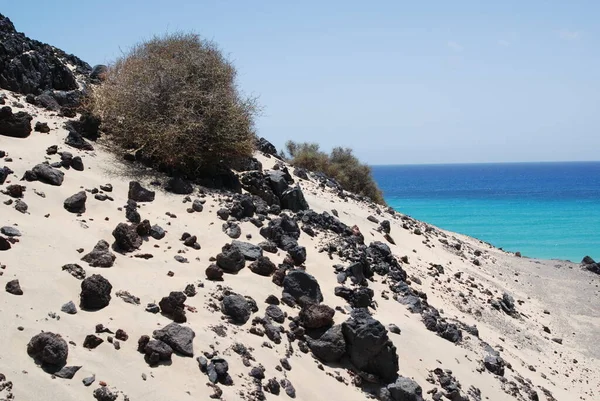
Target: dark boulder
[
  {"x": 275, "y": 313},
  {"x": 385, "y": 226},
  {"x": 231, "y": 259},
  {"x": 236, "y": 307},
  {"x": 178, "y": 337},
  {"x": 279, "y": 228},
  {"x": 48, "y": 175},
  {"x": 10, "y": 231},
  {"x": 369, "y": 347},
  {"x": 87, "y": 126},
  {"x": 250, "y": 251},
  {"x": 233, "y": 230},
  {"x": 144, "y": 229},
  {"x": 197, "y": 205},
  {"x": 16, "y": 125},
  {"x": 4, "y": 244},
  {"x": 4, "y": 173},
  {"x": 495, "y": 364},
  {"x": 298, "y": 283},
  {"x": 75, "y": 140},
  {"x": 92, "y": 341},
  {"x": 126, "y": 237},
  {"x": 173, "y": 306},
  {"x": 15, "y": 190},
  {"x": 316, "y": 316},
  {"x": 329, "y": 347},
  {"x": 157, "y": 351},
  {"x": 278, "y": 182},
  {"x": 41, "y": 127},
  {"x": 263, "y": 266},
  {"x": 214, "y": 273},
  {"x": 157, "y": 232},
  {"x": 405, "y": 389},
  {"x": 131, "y": 212},
  {"x": 594, "y": 268},
  {"x": 268, "y": 246},
  {"x": 587, "y": 260},
  {"x": 243, "y": 206},
  {"x": 297, "y": 254},
  {"x": 293, "y": 199},
  {"x": 255, "y": 183},
  {"x": 49, "y": 349},
  {"x": 95, "y": 292},
  {"x": 77, "y": 163},
  {"x": 100, "y": 256},
  {"x": 76, "y": 203},
  {"x": 139, "y": 193},
  {"x": 47, "y": 101}
]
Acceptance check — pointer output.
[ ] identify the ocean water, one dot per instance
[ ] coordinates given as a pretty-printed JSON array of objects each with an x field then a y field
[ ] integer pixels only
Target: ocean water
[{"x": 543, "y": 210}]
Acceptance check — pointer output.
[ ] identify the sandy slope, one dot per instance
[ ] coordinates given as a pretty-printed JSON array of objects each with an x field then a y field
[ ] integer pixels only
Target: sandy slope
[{"x": 51, "y": 237}]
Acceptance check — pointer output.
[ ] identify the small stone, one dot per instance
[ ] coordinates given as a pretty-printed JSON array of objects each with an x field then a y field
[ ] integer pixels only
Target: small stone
[
  {"x": 69, "y": 308},
  {"x": 91, "y": 341},
  {"x": 13, "y": 287}
]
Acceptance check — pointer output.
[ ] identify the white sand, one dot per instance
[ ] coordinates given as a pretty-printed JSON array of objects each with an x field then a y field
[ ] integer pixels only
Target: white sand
[{"x": 47, "y": 243}]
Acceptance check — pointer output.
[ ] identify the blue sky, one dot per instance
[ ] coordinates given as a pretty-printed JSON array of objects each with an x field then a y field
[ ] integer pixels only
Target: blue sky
[{"x": 400, "y": 82}]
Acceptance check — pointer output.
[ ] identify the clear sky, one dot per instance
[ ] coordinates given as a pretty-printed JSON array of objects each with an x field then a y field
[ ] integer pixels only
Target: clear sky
[{"x": 400, "y": 82}]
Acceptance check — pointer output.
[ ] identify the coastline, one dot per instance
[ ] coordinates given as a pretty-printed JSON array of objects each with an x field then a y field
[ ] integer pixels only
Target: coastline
[{"x": 541, "y": 210}]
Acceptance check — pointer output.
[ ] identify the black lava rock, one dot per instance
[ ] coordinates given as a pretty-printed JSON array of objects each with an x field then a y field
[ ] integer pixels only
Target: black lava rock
[
  {"x": 95, "y": 292},
  {"x": 48, "y": 348}
]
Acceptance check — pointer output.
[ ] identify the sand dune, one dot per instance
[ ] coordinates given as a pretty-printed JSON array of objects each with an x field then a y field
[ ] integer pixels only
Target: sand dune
[{"x": 553, "y": 294}]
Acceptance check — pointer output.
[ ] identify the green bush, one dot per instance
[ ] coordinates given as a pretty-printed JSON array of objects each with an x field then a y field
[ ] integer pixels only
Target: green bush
[
  {"x": 340, "y": 164},
  {"x": 175, "y": 99}
]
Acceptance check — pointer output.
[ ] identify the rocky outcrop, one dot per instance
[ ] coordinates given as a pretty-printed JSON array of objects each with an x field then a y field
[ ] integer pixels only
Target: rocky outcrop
[
  {"x": 265, "y": 146},
  {"x": 29, "y": 66}
]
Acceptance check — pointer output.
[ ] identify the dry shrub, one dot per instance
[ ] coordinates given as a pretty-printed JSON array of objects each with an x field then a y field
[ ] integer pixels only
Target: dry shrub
[
  {"x": 174, "y": 98},
  {"x": 340, "y": 164}
]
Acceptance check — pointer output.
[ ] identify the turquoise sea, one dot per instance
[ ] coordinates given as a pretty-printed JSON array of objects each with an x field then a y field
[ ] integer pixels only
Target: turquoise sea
[{"x": 543, "y": 210}]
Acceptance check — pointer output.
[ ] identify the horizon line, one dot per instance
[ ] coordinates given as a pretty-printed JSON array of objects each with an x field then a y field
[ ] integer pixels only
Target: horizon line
[{"x": 488, "y": 163}]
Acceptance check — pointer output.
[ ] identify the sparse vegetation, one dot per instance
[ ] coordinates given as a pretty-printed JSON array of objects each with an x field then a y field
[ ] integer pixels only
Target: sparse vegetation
[
  {"x": 340, "y": 164},
  {"x": 174, "y": 98}
]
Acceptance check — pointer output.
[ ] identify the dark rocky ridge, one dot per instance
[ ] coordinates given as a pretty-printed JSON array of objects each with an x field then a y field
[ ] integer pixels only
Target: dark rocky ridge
[{"x": 28, "y": 66}]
